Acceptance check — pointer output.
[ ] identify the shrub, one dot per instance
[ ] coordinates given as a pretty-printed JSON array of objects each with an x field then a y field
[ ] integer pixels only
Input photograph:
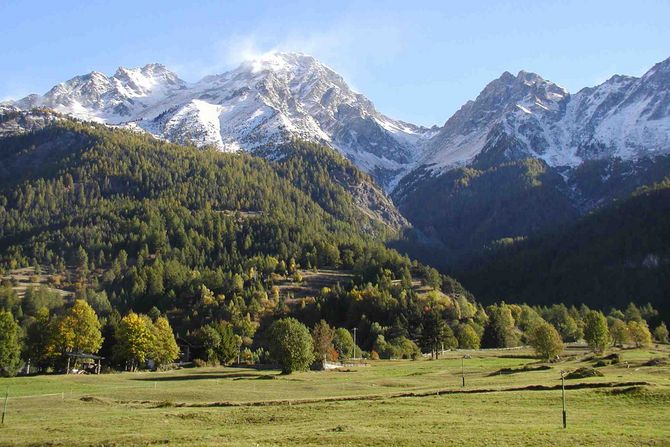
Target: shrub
[
  {"x": 199, "y": 363},
  {"x": 582, "y": 373}
]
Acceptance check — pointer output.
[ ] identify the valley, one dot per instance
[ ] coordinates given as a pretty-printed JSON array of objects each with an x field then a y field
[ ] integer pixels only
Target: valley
[{"x": 387, "y": 402}]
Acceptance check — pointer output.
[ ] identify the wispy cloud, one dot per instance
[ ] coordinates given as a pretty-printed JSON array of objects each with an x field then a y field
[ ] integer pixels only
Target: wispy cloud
[{"x": 350, "y": 46}]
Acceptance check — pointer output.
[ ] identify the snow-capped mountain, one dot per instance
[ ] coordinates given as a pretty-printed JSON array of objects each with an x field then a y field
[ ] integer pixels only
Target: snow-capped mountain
[
  {"x": 281, "y": 96},
  {"x": 526, "y": 116},
  {"x": 534, "y": 158},
  {"x": 266, "y": 101},
  {"x": 116, "y": 99}
]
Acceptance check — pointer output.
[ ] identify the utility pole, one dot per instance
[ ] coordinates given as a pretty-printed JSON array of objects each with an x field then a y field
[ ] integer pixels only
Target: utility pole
[
  {"x": 355, "y": 329},
  {"x": 565, "y": 419}
]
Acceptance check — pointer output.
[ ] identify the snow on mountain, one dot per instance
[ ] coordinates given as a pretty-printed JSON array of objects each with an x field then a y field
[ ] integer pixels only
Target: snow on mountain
[
  {"x": 526, "y": 116},
  {"x": 281, "y": 96},
  {"x": 265, "y": 101},
  {"x": 114, "y": 99}
]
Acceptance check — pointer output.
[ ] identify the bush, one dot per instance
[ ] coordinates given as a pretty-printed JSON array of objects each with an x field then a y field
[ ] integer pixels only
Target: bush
[
  {"x": 199, "y": 363},
  {"x": 582, "y": 373}
]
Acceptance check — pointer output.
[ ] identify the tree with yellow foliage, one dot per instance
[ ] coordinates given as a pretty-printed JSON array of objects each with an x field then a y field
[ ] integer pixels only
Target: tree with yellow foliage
[
  {"x": 639, "y": 333},
  {"x": 165, "y": 347},
  {"x": 135, "y": 340},
  {"x": 79, "y": 330}
]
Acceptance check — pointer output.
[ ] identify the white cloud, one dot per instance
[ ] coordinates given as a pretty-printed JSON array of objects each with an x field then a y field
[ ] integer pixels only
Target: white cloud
[{"x": 350, "y": 46}]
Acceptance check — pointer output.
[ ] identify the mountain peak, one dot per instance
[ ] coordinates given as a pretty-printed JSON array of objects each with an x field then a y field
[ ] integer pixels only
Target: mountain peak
[
  {"x": 529, "y": 77},
  {"x": 280, "y": 62}
]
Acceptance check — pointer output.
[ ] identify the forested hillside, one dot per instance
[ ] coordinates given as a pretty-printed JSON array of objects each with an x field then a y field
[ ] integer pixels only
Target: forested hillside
[
  {"x": 618, "y": 254},
  {"x": 131, "y": 241},
  {"x": 466, "y": 210},
  {"x": 128, "y": 223}
]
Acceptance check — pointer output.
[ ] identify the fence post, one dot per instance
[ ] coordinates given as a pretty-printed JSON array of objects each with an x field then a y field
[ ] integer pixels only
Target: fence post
[{"x": 4, "y": 408}]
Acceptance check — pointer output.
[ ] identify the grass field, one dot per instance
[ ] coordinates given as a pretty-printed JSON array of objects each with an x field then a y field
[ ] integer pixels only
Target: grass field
[{"x": 413, "y": 403}]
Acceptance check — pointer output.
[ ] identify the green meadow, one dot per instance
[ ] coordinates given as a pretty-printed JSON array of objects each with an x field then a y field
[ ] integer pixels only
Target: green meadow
[{"x": 509, "y": 398}]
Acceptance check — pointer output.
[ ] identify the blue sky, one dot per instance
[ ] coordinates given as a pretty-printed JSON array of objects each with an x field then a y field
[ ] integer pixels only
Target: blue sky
[{"x": 417, "y": 61}]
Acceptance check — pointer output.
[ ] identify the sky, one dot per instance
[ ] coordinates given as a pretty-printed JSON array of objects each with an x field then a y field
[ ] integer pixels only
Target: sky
[{"x": 417, "y": 61}]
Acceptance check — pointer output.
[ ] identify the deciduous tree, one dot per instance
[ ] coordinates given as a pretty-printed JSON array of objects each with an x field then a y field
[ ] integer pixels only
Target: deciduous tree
[
  {"x": 10, "y": 344},
  {"x": 596, "y": 332},
  {"x": 661, "y": 333},
  {"x": 545, "y": 340},
  {"x": 165, "y": 347},
  {"x": 619, "y": 332},
  {"x": 322, "y": 337},
  {"x": 291, "y": 345},
  {"x": 79, "y": 329},
  {"x": 135, "y": 340},
  {"x": 639, "y": 333}
]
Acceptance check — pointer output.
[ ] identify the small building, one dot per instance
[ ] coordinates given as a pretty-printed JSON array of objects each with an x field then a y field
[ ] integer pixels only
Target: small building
[{"x": 91, "y": 363}]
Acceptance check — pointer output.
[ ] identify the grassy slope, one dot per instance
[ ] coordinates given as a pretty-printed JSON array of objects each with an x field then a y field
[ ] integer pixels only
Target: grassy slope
[{"x": 143, "y": 408}]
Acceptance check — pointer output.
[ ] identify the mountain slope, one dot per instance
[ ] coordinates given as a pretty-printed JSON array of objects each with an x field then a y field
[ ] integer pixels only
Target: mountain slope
[
  {"x": 618, "y": 254},
  {"x": 267, "y": 101},
  {"x": 526, "y": 116},
  {"x": 281, "y": 96},
  {"x": 537, "y": 155},
  {"x": 113, "y": 99},
  {"x": 594, "y": 147},
  {"x": 72, "y": 175},
  {"x": 465, "y": 210}
]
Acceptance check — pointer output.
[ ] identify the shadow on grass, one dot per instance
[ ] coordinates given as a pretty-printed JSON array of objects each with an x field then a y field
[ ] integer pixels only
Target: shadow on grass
[{"x": 206, "y": 376}]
